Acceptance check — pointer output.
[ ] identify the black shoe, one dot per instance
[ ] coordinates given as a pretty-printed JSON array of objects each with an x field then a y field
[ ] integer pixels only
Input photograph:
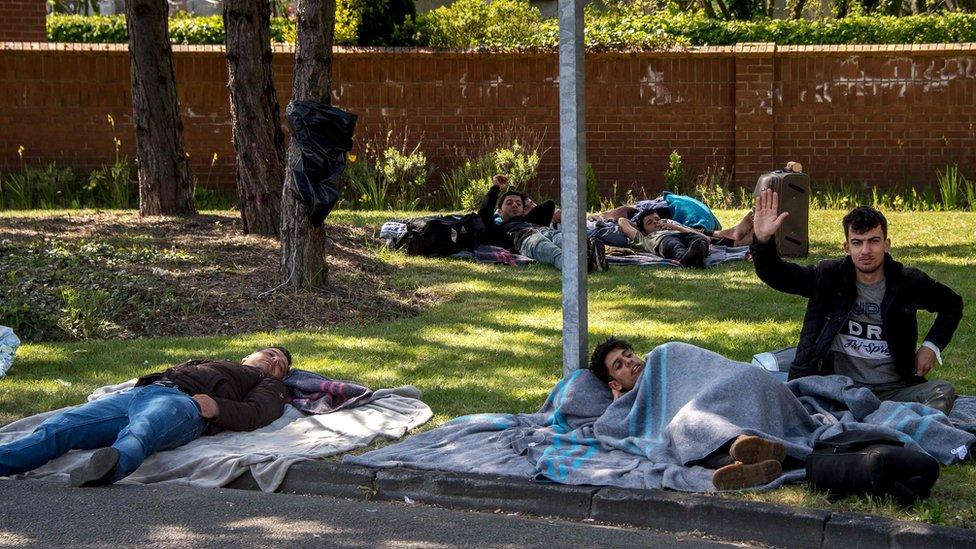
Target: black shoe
[
  {"x": 696, "y": 254},
  {"x": 98, "y": 470},
  {"x": 596, "y": 256}
]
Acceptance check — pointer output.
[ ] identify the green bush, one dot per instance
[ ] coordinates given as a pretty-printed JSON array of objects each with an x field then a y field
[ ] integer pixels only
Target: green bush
[
  {"x": 593, "y": 200},
  {"x": 46, "y": 187},
  {"x": 365, "y": 187},
  {"x": 183, "y": 29},
  {"x": 52, "y": 186},
  {"x": 498, "y": 24},
  {"x": 674, "y": 176},
  {"x": 514, "y": 25},
  {"x": 83, "y": 29},
  {"x": 386, "y": 176},
  {"x": 111, "y": 186},
  {"x": 405, "y": 174},
  {"x": 466, "y": 184},
  {"x": 946, "y": 27}
]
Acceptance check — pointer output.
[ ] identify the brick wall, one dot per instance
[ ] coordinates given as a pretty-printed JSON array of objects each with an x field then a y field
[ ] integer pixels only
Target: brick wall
[
  {"x": 22, "y": 21},
  {"x": 862, "y": 115}
]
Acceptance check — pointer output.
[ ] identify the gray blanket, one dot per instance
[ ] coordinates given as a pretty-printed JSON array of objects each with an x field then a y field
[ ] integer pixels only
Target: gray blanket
[
  {"x": 214, "y": 461},
  {"x": 688, "y": 403}
]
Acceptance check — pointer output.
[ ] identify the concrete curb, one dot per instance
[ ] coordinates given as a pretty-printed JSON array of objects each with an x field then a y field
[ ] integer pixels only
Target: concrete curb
[{"x": 770, "y": 524}]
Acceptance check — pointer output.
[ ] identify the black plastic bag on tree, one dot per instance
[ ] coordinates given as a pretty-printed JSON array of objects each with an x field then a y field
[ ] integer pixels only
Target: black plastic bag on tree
[{"x": 324, "y": 136}]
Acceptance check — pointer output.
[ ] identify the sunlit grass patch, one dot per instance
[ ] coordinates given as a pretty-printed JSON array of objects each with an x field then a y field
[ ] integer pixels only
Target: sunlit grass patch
[{"x": 492, "y": 343}]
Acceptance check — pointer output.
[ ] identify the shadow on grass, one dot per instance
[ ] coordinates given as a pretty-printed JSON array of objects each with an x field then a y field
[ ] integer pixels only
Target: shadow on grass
[{"x": 500, "y": 327}]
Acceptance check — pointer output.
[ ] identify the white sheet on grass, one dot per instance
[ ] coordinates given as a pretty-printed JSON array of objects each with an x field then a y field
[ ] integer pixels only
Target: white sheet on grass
[{"x": 215, "y": 461}]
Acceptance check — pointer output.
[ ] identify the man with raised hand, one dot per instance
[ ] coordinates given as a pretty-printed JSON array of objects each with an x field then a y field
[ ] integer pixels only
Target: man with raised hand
[{"x": 860, "y": 320}]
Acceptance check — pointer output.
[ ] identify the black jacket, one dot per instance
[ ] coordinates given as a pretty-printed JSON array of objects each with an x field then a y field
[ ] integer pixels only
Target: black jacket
[
  {"x": 831, "y": 287},
  {"x": 506, "y": 234},
  {"x": 247, "y": 398}
]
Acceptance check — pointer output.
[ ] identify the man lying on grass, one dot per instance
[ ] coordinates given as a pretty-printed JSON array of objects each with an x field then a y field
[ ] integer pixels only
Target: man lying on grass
[
  {"x": 861, "y": 314},
  {"x": 606, "y": 225},
  {"x": 745, "y": 461},
  {"x": 163, "y": 411},
  {"x": 528, "y": 231},
  {"x": 669, "y": 240}
]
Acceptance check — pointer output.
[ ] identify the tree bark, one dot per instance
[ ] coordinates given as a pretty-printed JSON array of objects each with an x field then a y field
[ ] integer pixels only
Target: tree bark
[
  {"x": 798, "y": 7},
  {"x": 165, "y": 187},
  {"x": 709, "y": 10},
  {"x": 258, "y": 138},
  {"x": 724, "y": 9},
  {"x": 303, "y": 262}
]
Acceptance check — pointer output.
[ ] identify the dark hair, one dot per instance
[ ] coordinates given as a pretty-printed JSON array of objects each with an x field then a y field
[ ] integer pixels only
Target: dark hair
[
  {"x": 284, "y": 352},
  {"x": 864, "y": 218},
  {"x": 598, "y": 360},
  {"x": 640, "y": 218},
  {"x": 519, "y": 194}
]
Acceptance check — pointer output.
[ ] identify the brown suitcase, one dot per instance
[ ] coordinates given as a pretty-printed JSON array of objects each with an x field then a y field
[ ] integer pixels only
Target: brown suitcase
[{"x": 793, "y": 190}]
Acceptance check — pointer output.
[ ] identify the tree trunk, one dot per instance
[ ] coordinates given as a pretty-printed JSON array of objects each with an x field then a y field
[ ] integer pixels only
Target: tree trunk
[
  {"x": 798, "y": 7},
  {"x": 709, "y": 10},
  {"x": 724, "y": 9},
  {"x": 258, "y": 138},
  {"x": 165, "y": 187},
  {"x": 303, "y": 246}
]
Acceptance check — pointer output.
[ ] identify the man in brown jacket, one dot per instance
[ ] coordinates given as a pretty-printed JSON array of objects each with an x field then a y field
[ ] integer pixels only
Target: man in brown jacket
[{"x": 164, "y": 411}]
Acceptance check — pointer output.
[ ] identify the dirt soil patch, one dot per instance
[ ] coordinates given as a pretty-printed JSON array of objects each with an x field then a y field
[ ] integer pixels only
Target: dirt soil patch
[{"x": 116, "y": 275}]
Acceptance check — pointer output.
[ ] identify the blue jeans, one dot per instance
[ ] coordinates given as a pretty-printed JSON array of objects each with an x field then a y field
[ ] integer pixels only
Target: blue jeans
[
  {"x": 544, "y": 245},
  {"x": 137, "y": 422}
]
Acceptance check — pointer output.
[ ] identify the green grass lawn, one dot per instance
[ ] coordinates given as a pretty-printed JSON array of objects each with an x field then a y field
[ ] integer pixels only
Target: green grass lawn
[{"x": 493, "y": 343}]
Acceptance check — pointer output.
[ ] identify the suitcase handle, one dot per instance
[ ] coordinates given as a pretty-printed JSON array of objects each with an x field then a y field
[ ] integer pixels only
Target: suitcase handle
[
  {"x": 800, "y": 190},
  {"x": 794, "y": 241}
]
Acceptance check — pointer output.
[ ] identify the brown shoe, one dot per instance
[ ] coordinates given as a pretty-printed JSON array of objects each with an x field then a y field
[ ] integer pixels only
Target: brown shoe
[
  {"x": 753, "y": 449},
  {"x": 746, "y": 475}
]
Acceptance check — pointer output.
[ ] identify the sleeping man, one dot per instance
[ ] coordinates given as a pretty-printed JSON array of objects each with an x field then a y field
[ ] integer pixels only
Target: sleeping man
[
  {"x": 743, "y": 461},
  {"x": 163, "y": 411},
  {"x": 666, "y": 238}
]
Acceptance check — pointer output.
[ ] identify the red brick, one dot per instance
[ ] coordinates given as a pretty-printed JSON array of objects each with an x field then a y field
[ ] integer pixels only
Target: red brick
[{"x": 712, "y": 107}]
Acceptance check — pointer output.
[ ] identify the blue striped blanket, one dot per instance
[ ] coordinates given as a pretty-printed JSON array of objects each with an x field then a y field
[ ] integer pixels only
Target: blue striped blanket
[{"x": 688, "y": 403}]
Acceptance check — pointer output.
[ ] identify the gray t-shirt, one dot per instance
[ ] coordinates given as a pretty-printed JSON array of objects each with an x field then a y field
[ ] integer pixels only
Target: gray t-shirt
[{"x": 860, "y": 349}]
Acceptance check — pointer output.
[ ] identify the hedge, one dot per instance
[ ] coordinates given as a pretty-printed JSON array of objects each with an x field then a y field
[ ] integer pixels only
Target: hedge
[
  {"x": 183, "y": 29},
  {"x": 513, "y": 25}
]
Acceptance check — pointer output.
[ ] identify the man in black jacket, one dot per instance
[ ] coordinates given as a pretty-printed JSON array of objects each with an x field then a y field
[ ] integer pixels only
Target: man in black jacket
[
  {"x": 164, "y": 411},
  {"x": 861, "y": 314},
  {"x": 528, "y": 232}
]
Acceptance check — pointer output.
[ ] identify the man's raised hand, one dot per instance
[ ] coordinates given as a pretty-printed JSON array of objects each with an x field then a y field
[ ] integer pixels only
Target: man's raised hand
[
  {"x": 767, "y": 219},
  {"x": 500, "y": 181}
]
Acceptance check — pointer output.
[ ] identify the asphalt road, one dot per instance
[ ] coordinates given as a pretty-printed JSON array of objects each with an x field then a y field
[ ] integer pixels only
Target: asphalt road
[{"x": 36, "y": 513}]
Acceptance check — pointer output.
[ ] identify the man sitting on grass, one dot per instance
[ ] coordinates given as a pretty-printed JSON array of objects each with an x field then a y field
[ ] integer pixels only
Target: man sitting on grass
[
  {"x": 666, "y": 238},
  {"x": 743, "y": 462},
  {"x": 164, "y": 411},
  {"x": 529, "y": 232},
  {"x": 861, "y": 314}
]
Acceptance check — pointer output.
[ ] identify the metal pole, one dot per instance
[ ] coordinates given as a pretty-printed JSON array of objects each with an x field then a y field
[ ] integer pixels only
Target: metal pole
[{"x": 572, "y": 173}]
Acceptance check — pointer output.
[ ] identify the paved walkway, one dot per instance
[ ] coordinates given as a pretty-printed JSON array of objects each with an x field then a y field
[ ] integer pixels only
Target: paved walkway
[{"x": 45, "y": 514}]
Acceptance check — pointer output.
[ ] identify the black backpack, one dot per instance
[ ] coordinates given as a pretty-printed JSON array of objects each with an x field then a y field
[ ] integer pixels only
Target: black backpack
[
  {"x": 857, "y": 462},
  {"x": 443, "y": 236}
]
